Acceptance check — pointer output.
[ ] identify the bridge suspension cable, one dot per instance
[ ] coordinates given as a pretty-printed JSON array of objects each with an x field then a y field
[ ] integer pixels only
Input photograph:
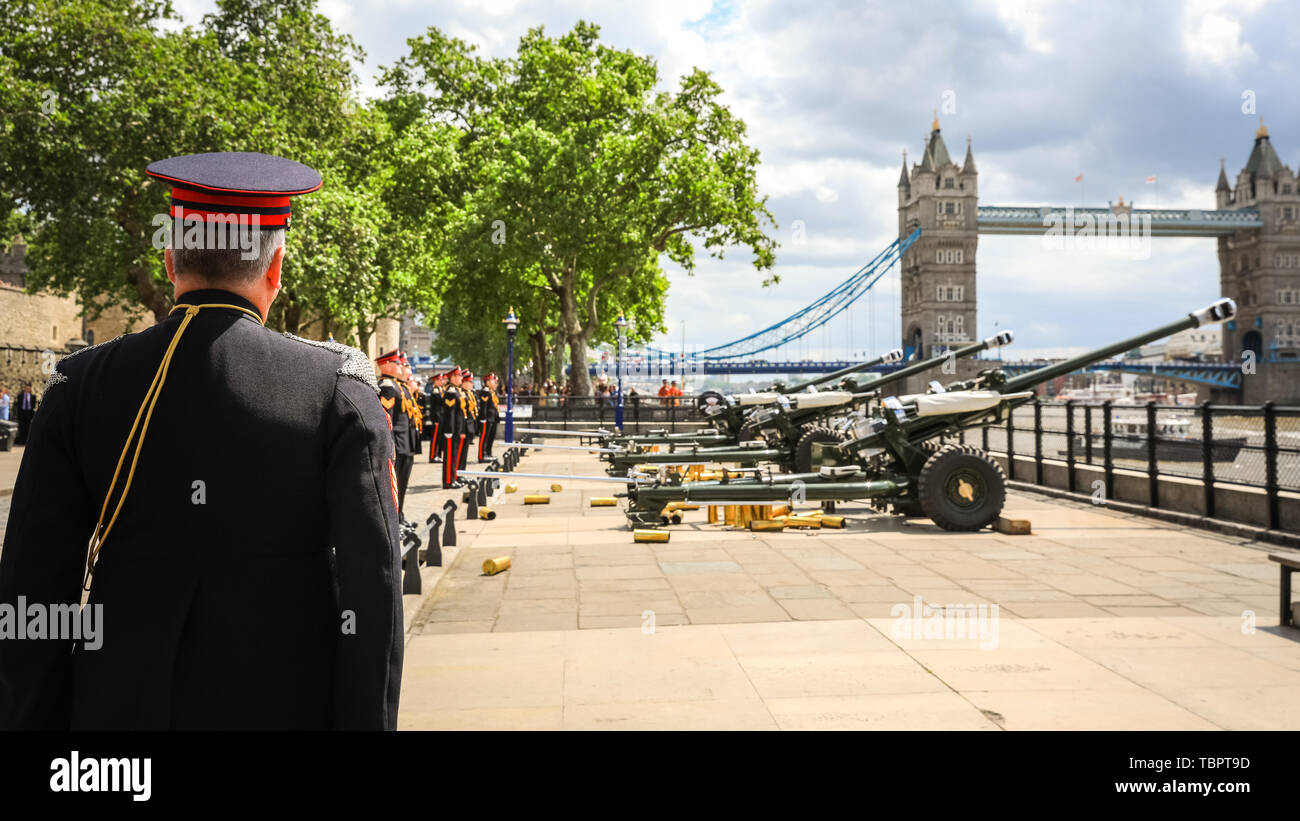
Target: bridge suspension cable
[{"x": 814, "y": 315}]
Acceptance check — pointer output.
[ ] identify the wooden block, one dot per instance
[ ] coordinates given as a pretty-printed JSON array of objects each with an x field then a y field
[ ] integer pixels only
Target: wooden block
[{"x": 1012, "y": 527}]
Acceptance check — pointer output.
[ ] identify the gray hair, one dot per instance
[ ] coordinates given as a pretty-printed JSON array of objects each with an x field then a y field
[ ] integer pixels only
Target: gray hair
[{"x": 243, "y": 259}]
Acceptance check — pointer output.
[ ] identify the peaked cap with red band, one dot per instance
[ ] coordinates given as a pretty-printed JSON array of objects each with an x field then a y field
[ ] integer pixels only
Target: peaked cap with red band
[
  {"x": 235, "y": 184},
  {"x": 391, "y": 356}
]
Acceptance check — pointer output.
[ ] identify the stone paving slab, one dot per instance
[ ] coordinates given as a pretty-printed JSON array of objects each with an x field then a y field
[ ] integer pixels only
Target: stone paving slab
[{"x": 1103, "y": 620}]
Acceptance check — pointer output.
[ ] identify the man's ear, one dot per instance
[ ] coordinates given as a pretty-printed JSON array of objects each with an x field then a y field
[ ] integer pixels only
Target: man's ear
[
  {"x": 170, "y": 263},
  {"x": 273, "y": 270}
]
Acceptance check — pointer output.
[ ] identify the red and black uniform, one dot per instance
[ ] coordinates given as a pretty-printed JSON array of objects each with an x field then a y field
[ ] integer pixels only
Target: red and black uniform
[
  {"x": 489, "y": 415},
  {"x": 396, "y": 401},
  {"x": 454, "y": 425},
  {"x": 433, "y": 416}
]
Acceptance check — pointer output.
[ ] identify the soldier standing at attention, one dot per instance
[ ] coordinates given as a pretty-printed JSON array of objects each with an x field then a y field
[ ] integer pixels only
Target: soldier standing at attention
[
  {"x": 489, "y": 414},
  {"x": 395, "y": 399},
  {"x": 436, "y": 415},
  {"x": 471, "y": 414},
  {"x": 453, "y": 435},
  {"x": 236, "y": 488},
  {"x": 413, "y": 412}
]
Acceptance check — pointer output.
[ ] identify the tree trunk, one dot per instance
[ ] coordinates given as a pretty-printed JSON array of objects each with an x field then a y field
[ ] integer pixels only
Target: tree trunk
[
  {"x": 292, "y": 317},
  {"x": 578, "y": 376},
  {"x": 571, "y": 332},
  {"x": 150, "y": 296},
  {"x": 537, "y": 344}
]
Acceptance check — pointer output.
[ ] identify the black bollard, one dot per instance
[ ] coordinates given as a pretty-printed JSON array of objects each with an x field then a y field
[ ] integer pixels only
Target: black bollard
[
  {"x": 433, "y": 555},
  {"x": 482, "y": 493},
  {"x": 471, "y": 500},
  {"x": 411, "y": 577},
  {"x": 449, "y": 516}
]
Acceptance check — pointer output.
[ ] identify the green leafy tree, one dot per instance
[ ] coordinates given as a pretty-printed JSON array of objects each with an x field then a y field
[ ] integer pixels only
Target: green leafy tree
[
  {"x": 579, "y": 177},
  {"x": 92, "y": 91}
]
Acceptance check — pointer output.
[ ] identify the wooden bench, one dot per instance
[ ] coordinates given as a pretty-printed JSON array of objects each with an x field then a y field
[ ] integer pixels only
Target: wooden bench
[{"x": 1290, "y": 563}]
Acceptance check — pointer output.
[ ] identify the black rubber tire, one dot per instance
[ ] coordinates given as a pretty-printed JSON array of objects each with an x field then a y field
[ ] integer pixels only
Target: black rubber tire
[
  {"x": 803, "y": 449},
  {"x": 946, "y": 479}
]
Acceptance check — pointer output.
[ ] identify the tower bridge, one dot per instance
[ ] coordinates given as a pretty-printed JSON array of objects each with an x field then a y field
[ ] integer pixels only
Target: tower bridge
[{"x": 1255, "y": 221}]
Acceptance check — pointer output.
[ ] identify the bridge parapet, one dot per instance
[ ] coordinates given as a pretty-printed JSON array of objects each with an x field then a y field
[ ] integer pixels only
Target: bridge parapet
[{"x": 1183, "y": 222}]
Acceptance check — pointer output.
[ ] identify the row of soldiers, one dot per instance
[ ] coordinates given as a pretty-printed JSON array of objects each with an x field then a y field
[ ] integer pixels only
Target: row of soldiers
[{"x": 454, "y": 413}]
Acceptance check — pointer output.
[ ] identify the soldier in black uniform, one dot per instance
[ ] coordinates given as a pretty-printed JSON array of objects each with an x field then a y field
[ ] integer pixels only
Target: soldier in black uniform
[
  {"x": 436, "y": 415},
  {"x": 414, "y": 414},
  {"x": 245, "y": 558},
  {"x": 396, "y": 399},
  {"x": 453, "y": 402},
  {"x": 489, "y": 414}
]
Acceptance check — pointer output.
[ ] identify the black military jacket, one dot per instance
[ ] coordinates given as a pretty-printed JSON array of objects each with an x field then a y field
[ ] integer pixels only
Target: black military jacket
[
  {"x": 455, "y": 409},
  {"x": 394, "y": 397},
  {"x": 252, "y": 579},
  {"x": 488, "y": 410}
]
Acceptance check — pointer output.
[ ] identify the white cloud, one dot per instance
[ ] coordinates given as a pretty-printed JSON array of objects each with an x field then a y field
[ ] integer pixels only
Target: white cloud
[{"x": 1215, "y": 39}]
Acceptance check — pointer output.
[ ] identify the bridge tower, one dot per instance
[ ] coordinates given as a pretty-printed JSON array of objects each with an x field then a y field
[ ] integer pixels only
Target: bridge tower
[
  {"x": 1260, "y": 269},
  {"x": 938, "y": 271}
]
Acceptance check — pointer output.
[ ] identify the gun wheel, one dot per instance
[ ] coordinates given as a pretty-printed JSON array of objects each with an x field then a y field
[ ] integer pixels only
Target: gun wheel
[
  {"x": 803, "y": 450},
  {"x": 961, "y": 489},
  {"x": 912, "y": 507}
]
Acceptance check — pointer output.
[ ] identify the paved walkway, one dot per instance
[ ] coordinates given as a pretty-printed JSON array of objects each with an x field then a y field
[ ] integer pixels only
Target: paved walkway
[{"x": 1102, "y": 620}]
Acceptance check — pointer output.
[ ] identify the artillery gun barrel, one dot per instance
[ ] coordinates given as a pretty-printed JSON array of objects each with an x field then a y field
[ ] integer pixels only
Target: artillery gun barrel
[
  {"x": 895, "y": 355},
  {"x": 1222, "y": 310},
  {"x": 995, "y": 341}
]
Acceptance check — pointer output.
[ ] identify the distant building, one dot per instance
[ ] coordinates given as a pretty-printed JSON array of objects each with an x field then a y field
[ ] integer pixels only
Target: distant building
[
  {"x": 1260, "y": 269},
  {"x": 938, "y": 272},
  {"x": 38, "y": 329}
]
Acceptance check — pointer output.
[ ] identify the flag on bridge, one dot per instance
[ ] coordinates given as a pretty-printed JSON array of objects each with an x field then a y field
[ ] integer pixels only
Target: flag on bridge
[
  {"x": 1079, "y": 178},
  {"x": 1151, "y": 178}
]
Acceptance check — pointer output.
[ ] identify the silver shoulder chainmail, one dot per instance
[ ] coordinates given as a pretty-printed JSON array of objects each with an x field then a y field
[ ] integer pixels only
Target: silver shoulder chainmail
[
  {"x": 58, "y": 378},
  {"x": 355, "y": 363}
]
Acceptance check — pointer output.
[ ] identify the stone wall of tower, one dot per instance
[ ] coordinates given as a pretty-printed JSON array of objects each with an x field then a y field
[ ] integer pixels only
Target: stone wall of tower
[
  {"x": 938, "y": 272},
  {"x": 1260, "y": 269}
]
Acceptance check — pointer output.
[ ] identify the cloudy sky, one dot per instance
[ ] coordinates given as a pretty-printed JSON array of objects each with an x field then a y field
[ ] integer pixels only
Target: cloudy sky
[{"x": 833, "y": 92}]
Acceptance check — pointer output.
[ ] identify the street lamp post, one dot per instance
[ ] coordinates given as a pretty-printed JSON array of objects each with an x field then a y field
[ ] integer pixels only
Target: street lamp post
[
  {"x": 621, "y": 325},
  {"x": 512, "y": 325}
]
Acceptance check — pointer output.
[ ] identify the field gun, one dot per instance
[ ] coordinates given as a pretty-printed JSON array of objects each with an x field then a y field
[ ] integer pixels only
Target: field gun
[
  {"x": 783, "y": 428},
  {"x": 892, "y": 456}
]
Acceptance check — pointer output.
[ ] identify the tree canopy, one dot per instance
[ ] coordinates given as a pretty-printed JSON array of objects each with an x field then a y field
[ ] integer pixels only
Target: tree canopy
[
  {"x": 92, "y": 91},
  {"x": 555, "y": 180},
  {"x": 578, "y": 177}
]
